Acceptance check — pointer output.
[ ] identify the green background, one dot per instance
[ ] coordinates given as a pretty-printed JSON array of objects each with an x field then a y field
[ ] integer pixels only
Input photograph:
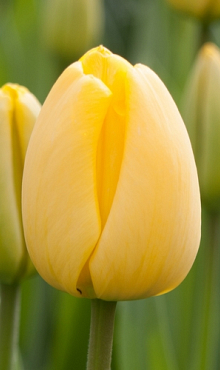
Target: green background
[{"x": 177, "y": 331}]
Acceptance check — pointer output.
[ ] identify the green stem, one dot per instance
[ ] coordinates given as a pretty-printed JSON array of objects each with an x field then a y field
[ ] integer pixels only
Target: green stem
[
  {"x": 101, "y": 335},
  {"x": 165, "y": 332},
  {"x": 9, "y": 324},
  {"x": 211, "y": 304}
]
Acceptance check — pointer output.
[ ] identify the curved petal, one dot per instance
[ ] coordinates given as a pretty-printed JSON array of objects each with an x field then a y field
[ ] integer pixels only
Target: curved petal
[
  {"x": 152, "y": 234},
  {"x": 209, "y": 174},
  {"x": 27, "y": 109},
  {"x": 11, "y": 237},
  {"x": 60, "y": 182},
  {"x": 111, "y": 69}
]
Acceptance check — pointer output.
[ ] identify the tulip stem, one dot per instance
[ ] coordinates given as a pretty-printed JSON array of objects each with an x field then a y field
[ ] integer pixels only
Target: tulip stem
[
  {"x": 101, "y": 334},
  {"x": 211, "y": 300},
  {"x": 9, "y": 324}
]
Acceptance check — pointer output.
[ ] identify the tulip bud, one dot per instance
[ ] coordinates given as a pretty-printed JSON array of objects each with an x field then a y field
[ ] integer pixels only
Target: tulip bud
[
  {"x": 201, "y": 110},
  {"x": 111, "y": 204},
  {"x": 203, "y": 9},
  {"x": 72, "y": 26},
  {"x": 18, "y": 112}
]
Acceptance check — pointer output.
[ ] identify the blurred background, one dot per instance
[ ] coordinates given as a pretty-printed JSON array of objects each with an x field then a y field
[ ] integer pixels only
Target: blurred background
[{"x": 177, "y": 331}]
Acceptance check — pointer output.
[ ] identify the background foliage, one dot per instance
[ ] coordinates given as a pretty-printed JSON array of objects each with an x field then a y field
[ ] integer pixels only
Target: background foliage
[{"x": 176, "y": 331}]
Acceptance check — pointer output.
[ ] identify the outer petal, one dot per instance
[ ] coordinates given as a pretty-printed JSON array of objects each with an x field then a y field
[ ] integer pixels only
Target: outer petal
[
  {"x": 152, "y": 234},
  {"x": 65, "y": 226},
  {"x": 209, "y": 173},
  {"x": 23, "y": 111},
  {"x": 201, "y": 114},
  {"x": 27, "y": 109},
  {"x": 11, "y": 237}
]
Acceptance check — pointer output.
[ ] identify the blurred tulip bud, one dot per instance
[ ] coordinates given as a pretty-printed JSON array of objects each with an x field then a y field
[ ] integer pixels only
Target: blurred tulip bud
[
  {"x": 72, "y": 26},
  {"x": 201, "y": 110},
  {"x": 18, "y": 112},
  {"x": 111, "y": 203},
  {"x": 203, "y": 9}
]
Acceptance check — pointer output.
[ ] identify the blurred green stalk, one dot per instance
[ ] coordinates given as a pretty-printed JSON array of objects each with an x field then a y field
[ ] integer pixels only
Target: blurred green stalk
[
  {"x": 9, "y": 324},
  {"x": 101, "y": 334},
  {"x": 209, "y": 339}
]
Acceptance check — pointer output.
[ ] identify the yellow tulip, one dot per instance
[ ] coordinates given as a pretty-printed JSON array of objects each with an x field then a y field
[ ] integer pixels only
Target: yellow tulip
[
  {"x": 203, "y": 9},
  {"x": 111, "y": 204},
  {"x": 201, "y": 110},
  {"x": 70, "y": 27},
  {"x": 18, "y": 112}
]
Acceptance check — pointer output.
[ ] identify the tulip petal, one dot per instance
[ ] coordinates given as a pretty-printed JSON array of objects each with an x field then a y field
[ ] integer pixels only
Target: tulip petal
[
  {"x": 205, "y": 87},
  {"x": 27, "y": 109},
  {"x": 11, "y": 237},
  {"x": 157, "y": 185},
  {"x": 111, "y": 70},
  {"x": 60, "y": 181}
]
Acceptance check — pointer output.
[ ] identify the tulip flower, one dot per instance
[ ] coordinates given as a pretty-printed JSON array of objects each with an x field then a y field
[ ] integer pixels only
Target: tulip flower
[
  {"x": 18, "y": 112},
  {"x": 71, "y": 26},
  {"x": 201, "y": 111},
  {"x": 203, "y": 9},
  {"x": 111, "y": 204}
]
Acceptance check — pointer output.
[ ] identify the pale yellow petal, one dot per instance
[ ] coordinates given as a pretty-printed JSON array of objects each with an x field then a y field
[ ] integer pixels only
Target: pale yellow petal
[
  {"x": 11, "y": 237},
  {"x": 208, "y": 140},
  {"x": 202, "y": 117},
  {"x": 111, "y": 70},
  {"x": 152, "y": 234},
  {"x": 26, "y": 108},
  {"x": 60, "y": 206}
]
